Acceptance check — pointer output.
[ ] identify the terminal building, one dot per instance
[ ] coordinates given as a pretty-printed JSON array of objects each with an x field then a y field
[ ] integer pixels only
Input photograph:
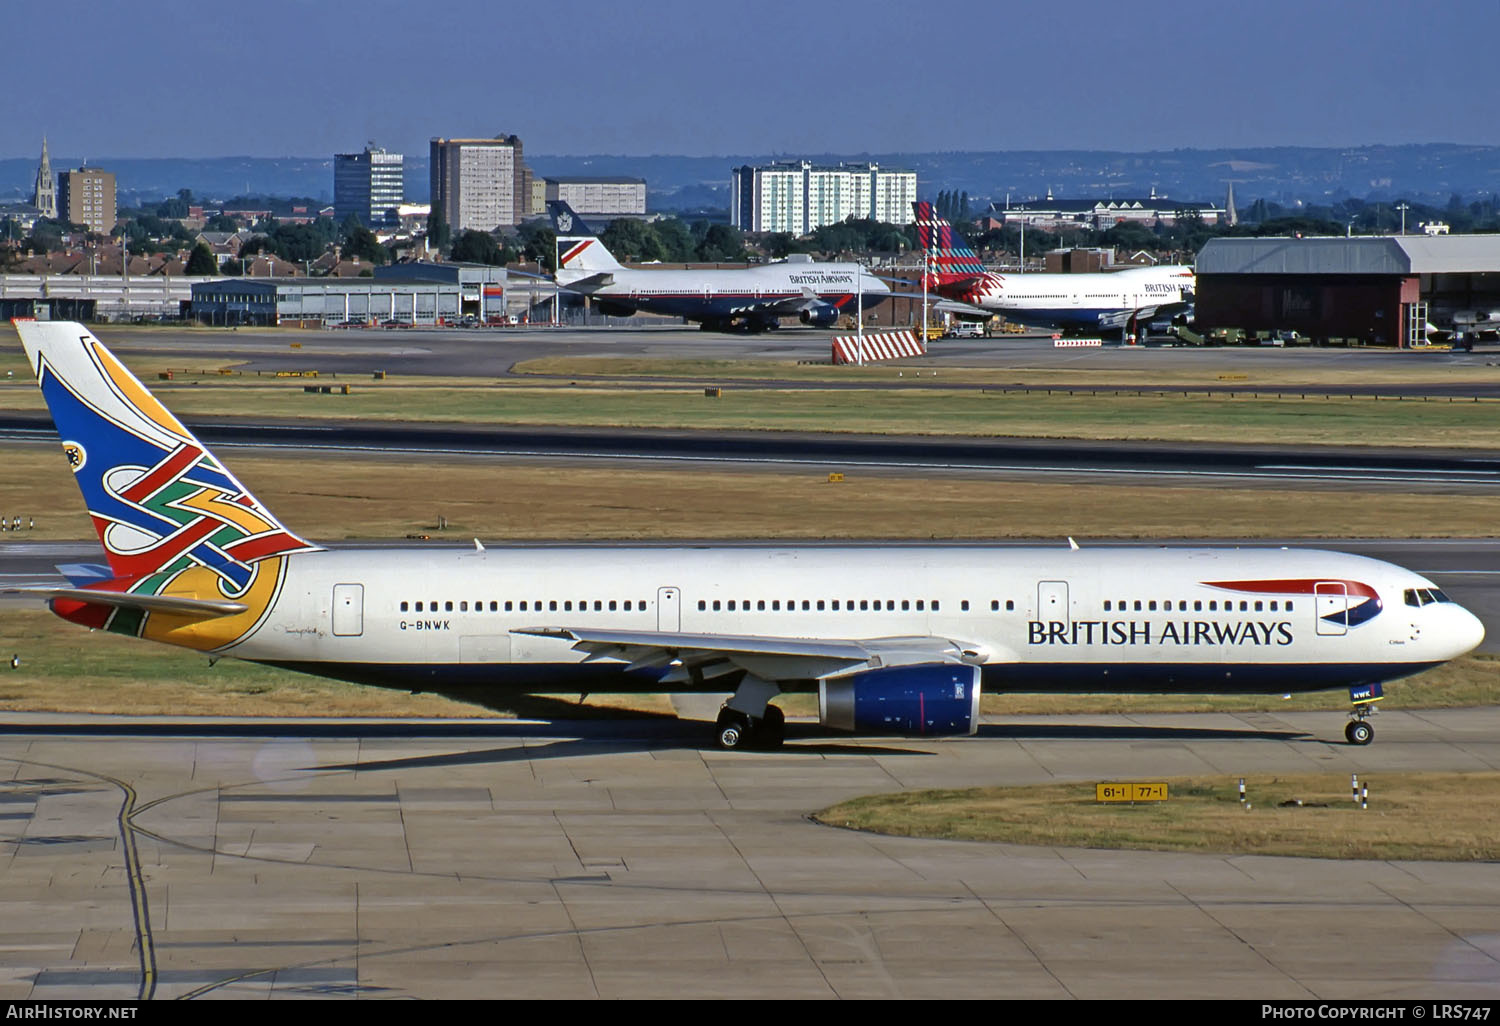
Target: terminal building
[
  {"x": 402, "y": 294},
  {"x": 481, "y": 184},
  {"x": 1373, "y": 290},
  {"x": 599, "y": 198},
  {"x": 1102, "y": 214},
  {"x": 800, "y": 197},
  {"x": 370, "y": 186}
]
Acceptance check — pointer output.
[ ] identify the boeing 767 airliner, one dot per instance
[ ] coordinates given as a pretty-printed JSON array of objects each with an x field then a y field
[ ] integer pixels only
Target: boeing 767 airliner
[{"x": 893, "y": 639}]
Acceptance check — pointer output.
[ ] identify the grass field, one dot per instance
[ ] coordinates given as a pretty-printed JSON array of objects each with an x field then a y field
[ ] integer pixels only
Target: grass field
[
  {"x": 916, "y": 411},
  {"x": 1443, "y": 816},
  {"x": 1184, "y": 369},
  {"x": 334, "y": 498}
]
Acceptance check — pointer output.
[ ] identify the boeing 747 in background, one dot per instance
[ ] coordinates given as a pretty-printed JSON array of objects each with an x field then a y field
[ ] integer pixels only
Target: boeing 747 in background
[
  {"x": 1106, "y": 303},
  {"x": 755, "y": 298},
  {"x": 892, "y": 639}
]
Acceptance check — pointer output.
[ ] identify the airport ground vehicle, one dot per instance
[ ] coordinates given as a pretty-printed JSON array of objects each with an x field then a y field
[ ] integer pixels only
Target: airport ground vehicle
[{"x": 893, "y": 639}]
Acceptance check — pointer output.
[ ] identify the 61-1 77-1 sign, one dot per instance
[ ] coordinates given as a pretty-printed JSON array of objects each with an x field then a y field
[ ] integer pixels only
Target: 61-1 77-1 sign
[{"x": 1136, "y": 792}]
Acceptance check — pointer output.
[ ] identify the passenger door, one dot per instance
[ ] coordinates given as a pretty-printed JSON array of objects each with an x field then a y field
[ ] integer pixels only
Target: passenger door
[
  {"x": 668, "y": 609},
  {"x": 1052, "y": 601},
  {"x": 348, "y": 610},
  {"x": 1331, "y": 607}
]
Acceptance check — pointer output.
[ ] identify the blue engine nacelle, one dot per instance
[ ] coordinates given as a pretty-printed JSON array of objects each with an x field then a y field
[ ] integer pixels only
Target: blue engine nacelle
[
  {"x": 925, "y": 700},
  {"x": 823, "y": 315}
]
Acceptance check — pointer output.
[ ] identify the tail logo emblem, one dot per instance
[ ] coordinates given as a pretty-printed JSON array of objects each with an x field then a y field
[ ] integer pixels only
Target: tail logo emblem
[
  {"x": 76, "y": 455},
  {"x": 564, "y": 222}
]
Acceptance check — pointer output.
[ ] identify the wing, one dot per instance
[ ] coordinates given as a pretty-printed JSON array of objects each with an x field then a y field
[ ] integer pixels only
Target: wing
[
  {"x": 1122, "y": 318},
  {"x": 696, "y": 658},
  {"x": 953, "y": 306}
]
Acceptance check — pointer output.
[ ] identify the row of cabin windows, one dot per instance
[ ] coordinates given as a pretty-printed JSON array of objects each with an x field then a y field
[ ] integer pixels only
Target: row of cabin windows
[
  {"x": 1137, "y": 606},
  {"x": 839, "y": 605},
  {"x": 820, "y": 605},
  {"x": 536, "y": 606}
]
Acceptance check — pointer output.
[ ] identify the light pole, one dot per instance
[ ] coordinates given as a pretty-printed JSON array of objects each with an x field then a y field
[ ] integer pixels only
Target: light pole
[{"x": 1403, "y": 208}]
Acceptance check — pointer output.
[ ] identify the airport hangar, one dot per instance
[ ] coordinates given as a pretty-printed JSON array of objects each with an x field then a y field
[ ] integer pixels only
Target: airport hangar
[
  {"x": 1381, "y": 290},
  {"x": 417, "y": 294}
]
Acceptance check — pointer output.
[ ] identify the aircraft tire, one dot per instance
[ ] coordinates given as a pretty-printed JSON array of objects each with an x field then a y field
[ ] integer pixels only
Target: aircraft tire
[
  {"x": 1358, "y": 732},
  {"x": 732, "y": 731},
  {"x": 772, "y": 728}
]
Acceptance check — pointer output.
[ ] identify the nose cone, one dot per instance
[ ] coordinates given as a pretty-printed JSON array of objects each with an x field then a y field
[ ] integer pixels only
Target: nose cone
[{"x": 1464, "y": 630}]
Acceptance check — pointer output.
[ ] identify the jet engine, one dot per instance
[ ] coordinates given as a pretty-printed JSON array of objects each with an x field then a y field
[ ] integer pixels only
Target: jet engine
[
  {"x": 824, "y": 315},
  {"x": 608, "y": 309},
  {"x": 927, "y": 699}
]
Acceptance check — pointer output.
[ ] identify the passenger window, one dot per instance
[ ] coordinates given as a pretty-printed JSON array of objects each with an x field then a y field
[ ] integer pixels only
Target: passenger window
[
  {"x": 921, "y": 605},
  {"x": 523, "y": 605},
  {"x": 552, "y": 606},
  {"x": 1197, "y": 605},
  {"x": 1106, "y": 605},
  {"x": 1010, "y": 605},
  {"x": 761, "y": 605},
  {"x": 731, "y": 605},
  {"x": 1151, "y": 605},
  {"x": 1257, "y": 605},
  {"x": 807, "y": 605},
  {"x": 963, "y": 606},
  {"x": 835, "y": 605},
  {"x": 890, "y": 605},
  {"x": 403, "y": 607},
  {"x": 598, "y": 606},
  {"x": 1244, "y": 606},
  {"x": 864, "y": 604},
  {"x": 463, "y": 607},
  {"x": 716, "y": 605},
  {"x": 934, "y": 605},
  {"x": 494, "y": 606},
  {"x": 567, "y": 606},
  {"x": 701, "y": 605},
  {"x": 612, "y": 605},
  {"x": 1288, "y": 605},
  {"x": 776, "y": 605},
  {"x": 448, "y": 607},
  {"x": 507, "y": 605},
  {"x": 1137, "y": 605}
]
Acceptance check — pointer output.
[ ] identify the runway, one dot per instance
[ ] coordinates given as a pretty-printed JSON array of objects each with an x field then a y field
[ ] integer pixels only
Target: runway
[
  {"x": 493, "y": 353},
  {"x": 189, "y": 859},
  {"x": 1398, "y": 468}
]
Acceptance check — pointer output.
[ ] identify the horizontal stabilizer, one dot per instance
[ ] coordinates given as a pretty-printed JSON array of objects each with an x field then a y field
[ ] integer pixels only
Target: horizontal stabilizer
[{"x": 199, "y": 609}]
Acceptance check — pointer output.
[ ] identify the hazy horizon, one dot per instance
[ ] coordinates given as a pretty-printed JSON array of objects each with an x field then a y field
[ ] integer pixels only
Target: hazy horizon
[{"x": 286, "y": 79}]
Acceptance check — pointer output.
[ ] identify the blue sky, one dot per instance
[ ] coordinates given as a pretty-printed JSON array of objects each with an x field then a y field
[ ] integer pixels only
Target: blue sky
[{"x": 293, "y": 77}]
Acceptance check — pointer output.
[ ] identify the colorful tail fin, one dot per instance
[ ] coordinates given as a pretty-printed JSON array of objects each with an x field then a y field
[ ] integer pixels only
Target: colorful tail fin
[
  {"x": 578, "y": 248},
  {"x": 949, "y": 256},
  {"x": 160, "y": 501}
]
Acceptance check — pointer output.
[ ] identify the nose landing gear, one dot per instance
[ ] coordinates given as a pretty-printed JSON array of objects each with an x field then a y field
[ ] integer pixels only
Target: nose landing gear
[{"x": 1364, "y": 696}]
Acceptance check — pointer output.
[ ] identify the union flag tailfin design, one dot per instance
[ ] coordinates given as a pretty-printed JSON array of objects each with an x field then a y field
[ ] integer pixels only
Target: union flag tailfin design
[
  {"x": 578, "y": 248},
  {"x": 160, "y": 501},
  {"x": 948, "y": 253}
]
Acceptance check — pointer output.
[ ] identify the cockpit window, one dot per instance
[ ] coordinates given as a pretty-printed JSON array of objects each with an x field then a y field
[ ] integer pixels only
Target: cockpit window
[{"x": 1424, "y": 596}]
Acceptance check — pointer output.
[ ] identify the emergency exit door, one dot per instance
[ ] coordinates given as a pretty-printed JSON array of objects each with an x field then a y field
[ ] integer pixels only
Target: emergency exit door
[
  {"x": 668, "y": 609},
  {"x": 348, "y": 610},
  {"x": 1052, "y": 601}
]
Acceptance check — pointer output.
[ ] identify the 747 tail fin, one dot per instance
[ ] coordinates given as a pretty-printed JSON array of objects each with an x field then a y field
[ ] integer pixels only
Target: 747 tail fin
[
  {"x": 948, "y": 253},
  {"x": 578, "y": 248},
  {"x": 161, "y": 502}
]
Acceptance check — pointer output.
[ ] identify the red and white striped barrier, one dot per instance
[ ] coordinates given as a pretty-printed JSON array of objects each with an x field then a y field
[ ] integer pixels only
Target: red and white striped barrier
[
  {"x": 889, "y": 345},
  {"x": 1059, "y": 343}
]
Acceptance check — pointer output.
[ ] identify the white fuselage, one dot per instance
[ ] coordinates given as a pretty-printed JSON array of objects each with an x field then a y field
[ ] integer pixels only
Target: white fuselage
[
  {"x": 1054, "y": 619},
  {"x": 1086, "y": 301},
  {"x": 705, "y": 293}
]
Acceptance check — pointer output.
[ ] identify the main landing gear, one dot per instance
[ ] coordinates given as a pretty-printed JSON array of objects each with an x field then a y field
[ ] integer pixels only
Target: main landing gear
[
  {"x": 736, "y": 730},
  {"x": 748, "y": 719}
]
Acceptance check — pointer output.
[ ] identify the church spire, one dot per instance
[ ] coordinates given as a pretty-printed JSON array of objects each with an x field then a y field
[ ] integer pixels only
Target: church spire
[{"x": 44, "y": 196}]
